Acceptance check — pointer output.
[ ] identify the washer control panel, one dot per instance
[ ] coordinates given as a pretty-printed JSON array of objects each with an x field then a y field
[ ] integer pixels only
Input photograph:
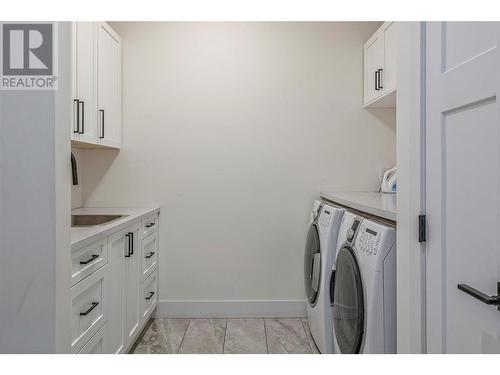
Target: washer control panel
[{"x": 368, "y": 240}]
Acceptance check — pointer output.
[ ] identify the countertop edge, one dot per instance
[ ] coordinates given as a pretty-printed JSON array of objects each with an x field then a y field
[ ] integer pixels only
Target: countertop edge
[
  {"x": 113, "y": 227},
  {"x": 379, "y": 212}
]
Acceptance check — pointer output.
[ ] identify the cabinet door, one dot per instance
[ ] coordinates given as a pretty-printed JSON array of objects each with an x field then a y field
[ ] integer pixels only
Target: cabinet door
[
  {"x": 374, "y": 62},
  {"x": 84, "y": 79},
  {"x": 131, "y": 283},
  {"x": 109, "y": 86},
  {"x": 390, "y": 45},
  {"x": 114, "y": 327}
]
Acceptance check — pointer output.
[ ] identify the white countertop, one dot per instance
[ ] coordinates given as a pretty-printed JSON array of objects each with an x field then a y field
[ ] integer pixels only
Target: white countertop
[
  {"x": 377, "y": 204},
  {"x": 81, "y": 236}
]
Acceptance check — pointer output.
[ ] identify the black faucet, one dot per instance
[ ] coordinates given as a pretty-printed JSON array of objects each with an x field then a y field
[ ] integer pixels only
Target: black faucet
[{"x": 74, "y": 169}]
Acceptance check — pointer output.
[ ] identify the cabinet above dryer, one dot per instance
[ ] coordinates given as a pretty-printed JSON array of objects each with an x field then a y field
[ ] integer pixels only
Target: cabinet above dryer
[
  {"x": 380, "y": 67},
  {"x": 96, "y": 86}
]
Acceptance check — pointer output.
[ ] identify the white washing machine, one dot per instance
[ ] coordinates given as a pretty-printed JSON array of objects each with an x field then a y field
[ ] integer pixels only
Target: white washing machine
[
  {"x": 364, "y": 289},
  {"x": 319, "y": 257}
]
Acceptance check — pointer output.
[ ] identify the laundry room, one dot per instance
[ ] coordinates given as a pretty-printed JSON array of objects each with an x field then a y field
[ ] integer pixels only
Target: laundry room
[{"x": 217, "y": 186}]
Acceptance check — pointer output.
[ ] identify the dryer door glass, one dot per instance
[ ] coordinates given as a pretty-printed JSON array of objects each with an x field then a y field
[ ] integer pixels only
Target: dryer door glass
[
  {"x": 348, "y": 303},
  {"x": 312, "y": 264}
]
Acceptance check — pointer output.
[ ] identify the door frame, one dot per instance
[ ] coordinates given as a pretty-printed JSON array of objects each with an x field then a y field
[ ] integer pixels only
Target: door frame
[{"x": 410, "y": 156}]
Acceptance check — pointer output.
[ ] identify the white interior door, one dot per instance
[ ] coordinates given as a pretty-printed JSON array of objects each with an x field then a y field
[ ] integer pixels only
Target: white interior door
[{"x": 462, "y": 185}]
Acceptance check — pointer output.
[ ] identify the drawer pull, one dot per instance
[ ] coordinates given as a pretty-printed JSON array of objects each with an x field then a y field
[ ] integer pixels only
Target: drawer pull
[
  {"x": 151, "y": 294},
  {"x": 150, "y": 225},
  {"x": 150, "y": 255},
  {"x": 94, "y": 305},
  {"x": 92, "y": 258}
]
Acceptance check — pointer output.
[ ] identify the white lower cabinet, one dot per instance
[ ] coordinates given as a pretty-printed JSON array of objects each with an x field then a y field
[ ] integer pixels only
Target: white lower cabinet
[
  {"x": 88, "y": 308},
  {"x": 149, "y": 296},
  {"x": 95, "y": 345},
  {"x": 114, "y": 327},
  {"x": 115, "y": 290},
  {"x": 131, "y": 283}
]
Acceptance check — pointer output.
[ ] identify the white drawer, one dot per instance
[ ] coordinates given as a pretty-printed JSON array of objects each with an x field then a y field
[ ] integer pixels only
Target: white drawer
[
  {"x": 87, "y": 260},
  {"x": 149, "y": 225},
  {"x": 87, "y": 308},
  {"x": 149, "y": 254},
  {"x": 149, "y": 298},
  {"x": 95, "y": 344}
]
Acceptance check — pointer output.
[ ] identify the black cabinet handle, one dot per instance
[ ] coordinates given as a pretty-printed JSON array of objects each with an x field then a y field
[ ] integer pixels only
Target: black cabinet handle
[
  {"x": 489, "y": 300},
  {"x": 131, "y": 241},
  {"x": 93, "y": 257},
  {"x": 376, "y": 80},
  {"x": 150, "y": 255},
  {"x": 94, "y": 305},
  {"x": 128, "y": 255},
  {"x": 77, "y": 131},
  {"x": 151, "y": 294},
  {"x": 102, "y": 123},
  {"x": 83, "y": 115},
  {"x": 380, "y": 79},
  {"x": 150, "y": 225}
]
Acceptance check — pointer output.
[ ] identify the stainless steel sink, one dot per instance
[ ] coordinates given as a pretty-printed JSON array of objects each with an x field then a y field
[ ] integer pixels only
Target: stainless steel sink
[{"x": 92, "y": 220}]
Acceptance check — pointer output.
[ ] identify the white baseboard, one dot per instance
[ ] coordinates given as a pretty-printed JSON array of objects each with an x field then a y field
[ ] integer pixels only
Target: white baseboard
[{"x": 231, "y": 309}]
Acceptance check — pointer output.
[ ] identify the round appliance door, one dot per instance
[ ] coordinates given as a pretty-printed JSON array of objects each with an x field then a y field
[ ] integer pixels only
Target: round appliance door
[
  {"x": 348, "y": 303},
  {"x": 312, "y": 264}
]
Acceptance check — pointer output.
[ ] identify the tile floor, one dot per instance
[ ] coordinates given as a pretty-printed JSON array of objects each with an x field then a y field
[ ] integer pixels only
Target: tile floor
[{"x": 228, "y": 336}]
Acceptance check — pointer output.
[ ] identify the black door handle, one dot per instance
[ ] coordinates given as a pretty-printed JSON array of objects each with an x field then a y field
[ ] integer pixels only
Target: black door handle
[
  {"x": 93, "y": 257},
  {"x": 489, "y": 300},
  {"x": 150, "y": 255},
  {"x": 77, "y": 131},
  {"x": 102, "y": 122},
  {"x": 128, "y": 248},
  {"x": 151, "y": 294},
  {"x": 94, "y": 305}
]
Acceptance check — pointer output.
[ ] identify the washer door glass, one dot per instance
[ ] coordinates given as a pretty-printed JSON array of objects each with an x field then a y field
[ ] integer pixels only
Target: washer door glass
[
  {"x": 348, "y": 303},
  {"x": 312, "y": 264}
]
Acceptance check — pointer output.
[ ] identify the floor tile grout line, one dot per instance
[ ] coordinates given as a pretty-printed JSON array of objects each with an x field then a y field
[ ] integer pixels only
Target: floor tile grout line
[
  {"x": 225, "y": 334},
  {"x": 303, "y": 323},
  {"x": 183, "y": 336},
  {"x": 265, "y": 335}
]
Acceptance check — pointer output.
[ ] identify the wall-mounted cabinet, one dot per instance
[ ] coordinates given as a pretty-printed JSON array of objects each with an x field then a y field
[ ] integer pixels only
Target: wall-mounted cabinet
[
  {"x": 380, "y": 67},
  {"x": 96, "y": 78}
]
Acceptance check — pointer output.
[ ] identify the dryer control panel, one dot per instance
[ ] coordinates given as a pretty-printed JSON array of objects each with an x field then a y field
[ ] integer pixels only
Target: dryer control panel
[
  {"x": 368, "y": 239},
  {"x": 324, "y": 218}
]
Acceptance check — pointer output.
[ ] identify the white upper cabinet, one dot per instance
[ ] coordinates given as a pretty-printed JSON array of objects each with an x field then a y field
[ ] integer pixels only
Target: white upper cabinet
[
  {"x": 96, "y": 85},
  {"x": 84, "y": 127},
  {"x": 380, "y": 67},
  {"x": 109, "y": 86}
]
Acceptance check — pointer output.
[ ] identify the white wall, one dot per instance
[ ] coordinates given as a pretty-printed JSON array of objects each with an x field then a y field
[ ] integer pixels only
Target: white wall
[
  {"x": 77, "y": 190},
  {"x": 234, "y": 128},
  {"x": 34, "y": 214}
]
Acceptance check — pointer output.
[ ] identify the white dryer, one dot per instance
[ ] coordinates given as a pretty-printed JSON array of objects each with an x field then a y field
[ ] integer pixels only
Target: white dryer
[
  {"x": 319, "y": 257},
  {"x": 364, "y": 290}
]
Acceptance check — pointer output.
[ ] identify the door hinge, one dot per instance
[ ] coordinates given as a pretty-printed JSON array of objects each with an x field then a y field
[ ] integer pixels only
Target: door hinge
[{"x": 422, "y": 233}]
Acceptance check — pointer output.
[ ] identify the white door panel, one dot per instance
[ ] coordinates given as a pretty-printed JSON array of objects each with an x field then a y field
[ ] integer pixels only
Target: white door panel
[{"x": 462, "y": 185}]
